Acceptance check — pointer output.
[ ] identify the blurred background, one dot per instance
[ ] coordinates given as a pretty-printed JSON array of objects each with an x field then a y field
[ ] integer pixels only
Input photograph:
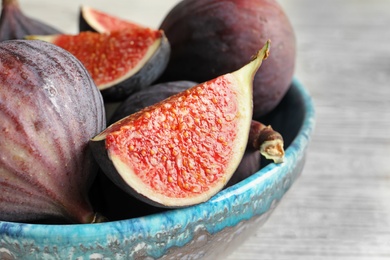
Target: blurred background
[{"x": 339, "y": 208}]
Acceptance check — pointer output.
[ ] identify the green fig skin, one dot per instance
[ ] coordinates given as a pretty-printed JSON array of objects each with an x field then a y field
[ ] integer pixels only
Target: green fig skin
[
  {"x": 49, "y": 109},
  {"x": 209, "y": 38}
]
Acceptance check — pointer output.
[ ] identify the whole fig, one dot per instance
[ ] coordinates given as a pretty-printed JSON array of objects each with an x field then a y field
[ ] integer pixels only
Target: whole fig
[
  {"x": 209, "y": 38},
  {"x": 14, "y": 24},
  {"x": 49, "y": 109}
]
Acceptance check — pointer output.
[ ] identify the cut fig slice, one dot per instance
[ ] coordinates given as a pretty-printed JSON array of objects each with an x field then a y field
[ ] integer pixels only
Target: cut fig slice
[
  {"x": 184, "y": 149},
  {"x": 263, "y": 140},
  {"x": 120, "y": 62},
  {"x": 91, "y": 19}
]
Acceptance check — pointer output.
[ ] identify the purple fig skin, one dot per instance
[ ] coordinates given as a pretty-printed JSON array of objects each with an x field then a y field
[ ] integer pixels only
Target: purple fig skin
[
  {"x": 210, "y": 38},
  {"x": 49, "y": 109},
  {"x": 83, "y": 24},
  {"x": 14, "y": 24},
  {"x": 113, "y": 198},
  {"x": 250, "y": 163},
  {"x": 148, "y": 97}
]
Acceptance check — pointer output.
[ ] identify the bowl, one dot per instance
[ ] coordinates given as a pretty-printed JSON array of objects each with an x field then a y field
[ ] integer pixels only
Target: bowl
[{"x": 209, "y": 230}]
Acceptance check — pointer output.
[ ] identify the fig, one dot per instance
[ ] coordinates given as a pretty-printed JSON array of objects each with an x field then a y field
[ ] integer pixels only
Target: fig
[
  {"x": 14, "y": 24},
  {"x": 91, "y": 19},
  {"x": 262, "y": 138},
  {"x": 148, "y": 97},
  {"x": 120, "y": 62},
  {"x": 184, "y": 149},
  {"x": 210, "y": 38},
  {"x": 113, "y": 199},
  {"x": 250, "y": 164},
  {"x": 49, "y": 109}
]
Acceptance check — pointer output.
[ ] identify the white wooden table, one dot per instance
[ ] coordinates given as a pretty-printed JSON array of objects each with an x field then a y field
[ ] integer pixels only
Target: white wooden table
[{"x": 340, "y": 207}]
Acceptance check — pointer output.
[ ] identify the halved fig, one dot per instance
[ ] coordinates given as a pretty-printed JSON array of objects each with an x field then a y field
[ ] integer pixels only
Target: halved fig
[
  {"x": 120, "y": 62},
  {"x": 91, "y": 19},
  {"x": 184, "y": 149}
]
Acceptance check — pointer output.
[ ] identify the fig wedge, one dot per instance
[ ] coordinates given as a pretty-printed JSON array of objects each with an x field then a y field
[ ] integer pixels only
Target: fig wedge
[
  {"x": 184, "y": 149},
  {"x": 120, "y": 62},
  {"x": 92, "y": 19}
]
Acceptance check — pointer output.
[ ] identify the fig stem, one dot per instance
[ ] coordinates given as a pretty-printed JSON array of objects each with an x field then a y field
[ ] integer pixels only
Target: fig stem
[
  {"x": 98, "y": 218},
  {"x": 251, "y": 68},
  {"x": 263, "y": 53},
  {"x": 9, "y": 2},
  {"x": 268, "y": 141}
]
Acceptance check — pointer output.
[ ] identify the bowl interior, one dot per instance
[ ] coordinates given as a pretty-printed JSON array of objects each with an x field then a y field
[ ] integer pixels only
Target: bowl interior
[
  {"x": 159, "y": 230},
  {"x": 287, "y": 118}
]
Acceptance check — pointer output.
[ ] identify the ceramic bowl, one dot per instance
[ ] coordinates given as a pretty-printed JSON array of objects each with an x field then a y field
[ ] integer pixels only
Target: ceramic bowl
[{"x": 208, "y": 230}]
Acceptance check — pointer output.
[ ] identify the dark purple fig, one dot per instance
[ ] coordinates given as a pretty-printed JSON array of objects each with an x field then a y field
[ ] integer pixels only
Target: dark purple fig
[
  {"x": 148, "y": 97},
  {"x": 14, "y": 24},
  {"x": 262, "y": 138},
  {"x": 250, "y": 163},
  {"x": 210, "y": 38},
  {"x": 112, "y": 200},
  {"x": 49, "y": 109}
]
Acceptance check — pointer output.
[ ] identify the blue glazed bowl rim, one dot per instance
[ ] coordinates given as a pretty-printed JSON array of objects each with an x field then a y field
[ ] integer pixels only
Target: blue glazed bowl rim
[{"x": 153, "y": 224}]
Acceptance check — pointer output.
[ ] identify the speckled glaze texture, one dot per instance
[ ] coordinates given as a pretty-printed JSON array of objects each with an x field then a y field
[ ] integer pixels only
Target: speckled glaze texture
[{"x": 206, "y": 231}]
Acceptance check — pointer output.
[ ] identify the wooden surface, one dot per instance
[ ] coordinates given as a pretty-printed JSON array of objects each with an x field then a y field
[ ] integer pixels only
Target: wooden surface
[{"x": 340, "y": 207}]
